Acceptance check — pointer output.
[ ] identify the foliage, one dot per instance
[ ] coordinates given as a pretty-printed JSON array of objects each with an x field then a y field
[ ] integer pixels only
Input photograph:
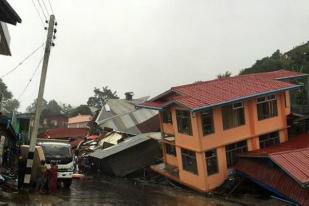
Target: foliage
[
  {"x": 66, "y": 108},
  {"x": 224, "y": 75},
  {"x": 82, "y": 109},
  {"x": 101, "y": 96},
  {"x": 53, "y": 107},
  {"x": 9, "y": 104},
  {"x": 296, "y": 59},
  {"x": 31, "y": 108}
]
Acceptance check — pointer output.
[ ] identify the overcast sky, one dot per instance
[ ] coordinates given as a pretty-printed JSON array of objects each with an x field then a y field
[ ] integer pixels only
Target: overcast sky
[{"x": 147, "y": 46}]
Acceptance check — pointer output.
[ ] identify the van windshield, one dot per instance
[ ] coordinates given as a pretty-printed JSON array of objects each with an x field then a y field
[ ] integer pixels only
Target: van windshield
[{"x": 56, "y": 151}]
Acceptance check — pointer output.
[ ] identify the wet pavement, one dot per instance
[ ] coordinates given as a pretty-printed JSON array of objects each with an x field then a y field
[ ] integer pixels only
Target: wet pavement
[{"x": 116, "y": 191}]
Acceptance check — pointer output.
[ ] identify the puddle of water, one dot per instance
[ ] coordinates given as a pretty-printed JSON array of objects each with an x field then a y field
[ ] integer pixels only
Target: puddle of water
[{"x": 116, "y": 191}]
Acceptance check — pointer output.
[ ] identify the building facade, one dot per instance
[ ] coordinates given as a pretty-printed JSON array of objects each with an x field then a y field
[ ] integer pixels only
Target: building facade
[
  {"x": 79, "y": 121},
  {"x": 206, "y": 124}
]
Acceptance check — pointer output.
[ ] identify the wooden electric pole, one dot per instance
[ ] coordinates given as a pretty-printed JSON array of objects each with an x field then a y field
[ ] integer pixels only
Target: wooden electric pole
[{"x": 39, "y": 101}]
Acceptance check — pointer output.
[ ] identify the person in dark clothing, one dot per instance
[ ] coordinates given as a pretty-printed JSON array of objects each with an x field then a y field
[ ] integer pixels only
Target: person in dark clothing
[
  {"x": 52, "y": 178},
  {"x": 21, "y": 171}
]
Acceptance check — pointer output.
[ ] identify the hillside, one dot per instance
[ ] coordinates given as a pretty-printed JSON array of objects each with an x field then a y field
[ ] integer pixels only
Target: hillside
[{"x": 296, "y": 59}]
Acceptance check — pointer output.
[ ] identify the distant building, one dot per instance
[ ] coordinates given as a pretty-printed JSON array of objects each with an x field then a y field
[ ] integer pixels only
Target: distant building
[
  {"x": 205, "y": 125},
  {"x": 7, "y": 15},
  {"x": 79, "y": 121},
  {"x": 55, "y": 121}
]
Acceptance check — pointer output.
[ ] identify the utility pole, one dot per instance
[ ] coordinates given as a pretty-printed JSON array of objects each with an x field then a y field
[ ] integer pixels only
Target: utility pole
[
  {"x": 39, "y": 101},
  {"x": 1, "y": 98}
]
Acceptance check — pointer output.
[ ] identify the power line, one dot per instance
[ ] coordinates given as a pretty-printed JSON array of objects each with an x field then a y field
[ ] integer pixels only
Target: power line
[
  {"x": 23, "y": 61},
  {"x": 38, "y": 12},
  {"x": 51, "y": 8},
  {"x": 31, "y": 78},
  {"x": 42, "y": 10},
  {"x": 47, "y": 12}
]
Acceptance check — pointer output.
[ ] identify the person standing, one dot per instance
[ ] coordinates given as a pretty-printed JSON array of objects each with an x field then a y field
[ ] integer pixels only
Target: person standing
[
  {"x": 21, "y": 171},
  {"x": 52, "y": 178},
  {"x": 41, "y": 181}
]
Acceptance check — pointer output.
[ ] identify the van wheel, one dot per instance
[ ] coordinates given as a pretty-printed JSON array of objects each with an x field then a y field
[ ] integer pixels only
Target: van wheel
[{"x": 67, "y": 183}]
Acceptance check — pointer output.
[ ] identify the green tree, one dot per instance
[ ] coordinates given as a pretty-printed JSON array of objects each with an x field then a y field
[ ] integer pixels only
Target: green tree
[
  {"x": 66, "y": 108},
  {"x": 82, "y": 109},
  {"x": 9, "y": 103},
  {"x": 31, "y": 108},
  {"x": 53, "y": 107},
  {"x": 101, "y": 96},
  {"x": 224, "y": 75}
]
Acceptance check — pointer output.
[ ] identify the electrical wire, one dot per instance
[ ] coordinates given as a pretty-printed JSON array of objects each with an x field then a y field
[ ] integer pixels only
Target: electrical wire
[
  {"x": 23, "y": 61},
  {"x": 38, "y": 12},
  {"x": 51, "y": 8},
  {"x": 47, "y": 12},
  {"x": 42, "y": 10},
  {"x": 30, "y": 80}
]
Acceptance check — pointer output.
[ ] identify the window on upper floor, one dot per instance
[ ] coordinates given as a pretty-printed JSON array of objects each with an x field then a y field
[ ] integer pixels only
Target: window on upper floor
[
  {"x": 232, "y": 150},
  {"x": 207, "y": 122},
  {"x": 170, "y": 149},
  {"x": 267, "y": 107},
  {"x": 167, "y": 116},
  {"x": 269, "y": 139},
  {"x": 184, "y": 122},
  {"x": 211, "y": 162},
  {"x": 233, "y": 115},
  {"x": 189, "y": 161}
]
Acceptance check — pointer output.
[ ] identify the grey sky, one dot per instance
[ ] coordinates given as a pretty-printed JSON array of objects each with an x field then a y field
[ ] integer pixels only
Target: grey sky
[{"x": 147, "y": 46}]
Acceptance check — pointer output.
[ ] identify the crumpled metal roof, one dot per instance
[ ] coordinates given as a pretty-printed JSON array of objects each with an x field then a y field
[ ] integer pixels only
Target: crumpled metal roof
[
  {"x": 122, "y": 115},
  {"x": 127, "y": 143}
]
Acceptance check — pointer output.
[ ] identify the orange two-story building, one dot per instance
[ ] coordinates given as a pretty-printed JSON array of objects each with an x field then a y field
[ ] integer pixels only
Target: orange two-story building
[{"x": 205, "y": 124}]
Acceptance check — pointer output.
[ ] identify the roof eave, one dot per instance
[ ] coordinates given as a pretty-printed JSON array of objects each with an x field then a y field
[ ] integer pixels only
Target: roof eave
[
  {"x": 292, "y": 77},
  {"x": 245, "y": 97}
]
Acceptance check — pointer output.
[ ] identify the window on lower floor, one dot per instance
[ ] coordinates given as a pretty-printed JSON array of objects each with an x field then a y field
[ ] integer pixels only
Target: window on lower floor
[
  {"x": 269, "y": 139},
  {"x": 189, "y": 161},
  {"x": 211, "y": 162},
  {"x": 233, "y": 115},
  {"x": 207, "y": 122},
  {"x": 170, "y": 149},
  {"x": 184, "y": 122},
  {"x": 232, "y": 150},
  {"x": 267, "y": 107},
  {"x": 167, "y": 116}
]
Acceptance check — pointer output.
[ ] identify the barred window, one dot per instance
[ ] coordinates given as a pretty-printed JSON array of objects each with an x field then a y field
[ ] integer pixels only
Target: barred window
[
  {"x": 189, "y": 161},
  {"x": 211, "y": 162},
  {"x": 232, "y": 150},
  {"x": 233, "y": 115},
  {"x": 269, "y": 139},
  {"x": 170, "y": 149},
  {"x": 184, "y": 122},
  {"x": 207, "y": 122},
  {"x": 267, "y": 107},
  {"x": 167, "y": 116}
]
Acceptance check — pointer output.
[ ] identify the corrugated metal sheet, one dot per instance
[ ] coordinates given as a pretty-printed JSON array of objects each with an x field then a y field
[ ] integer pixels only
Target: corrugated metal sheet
[
  {"x": 273, "y": 178},
  {"x": 282, "y": 168},
  {"x": 295, "y": 163},
  {"x": 122, "y": 115},
  {"x": 299, "y": 142},
  {"x": 129, "y": 142}
]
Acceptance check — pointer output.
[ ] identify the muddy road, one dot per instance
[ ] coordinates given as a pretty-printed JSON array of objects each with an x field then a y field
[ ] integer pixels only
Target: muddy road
[{"x": 116, "y": 191}]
